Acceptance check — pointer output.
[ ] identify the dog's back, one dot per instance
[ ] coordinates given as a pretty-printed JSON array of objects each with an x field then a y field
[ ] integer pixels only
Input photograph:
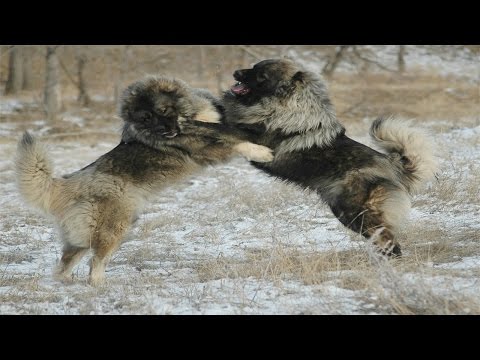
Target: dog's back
[
  {"x": 286, "y": 107},
  {"x": 95, "y": 206}
]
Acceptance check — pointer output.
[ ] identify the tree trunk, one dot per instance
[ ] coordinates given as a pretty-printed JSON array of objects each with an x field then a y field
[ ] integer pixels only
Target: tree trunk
[
  {"x": 120, "y": 77},
  {"x": 52, "y": 100},
  {"x": 83, "y": 97},
  {"x": 15, "y": 71},
  {"x": 401, "y": 59},
  {"x": 330, "y": 67},
  {"x": 27, "y": 68},
  {"x": 202, "y": 66},
  {"x": 245, "y": 59},
  {"x": 220, "y": 57},
  {"x": 219, "y": 77},
  {"x": 202, "y": 62},
  {"x": 1, "y": 68}
]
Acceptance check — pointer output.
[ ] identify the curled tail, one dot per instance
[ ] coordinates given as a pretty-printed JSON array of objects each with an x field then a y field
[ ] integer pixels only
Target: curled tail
[
  {"x": 412, "y": 145},
  {"x": 34, "y": 173}
]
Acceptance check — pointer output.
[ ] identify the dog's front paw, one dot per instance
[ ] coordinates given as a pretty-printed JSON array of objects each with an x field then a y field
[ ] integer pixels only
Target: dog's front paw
[
  {"x": 262, "y": 154},
  {"x": 254, "y": 152},
  {"x": 209, "y": 116}
]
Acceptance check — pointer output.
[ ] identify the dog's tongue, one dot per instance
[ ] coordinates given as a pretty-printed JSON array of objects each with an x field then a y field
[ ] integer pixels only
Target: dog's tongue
[{"x": 240, "y": 89}]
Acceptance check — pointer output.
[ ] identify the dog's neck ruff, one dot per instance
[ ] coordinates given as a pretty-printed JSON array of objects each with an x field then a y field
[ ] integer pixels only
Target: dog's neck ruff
[{"x": 308, "y": 115}]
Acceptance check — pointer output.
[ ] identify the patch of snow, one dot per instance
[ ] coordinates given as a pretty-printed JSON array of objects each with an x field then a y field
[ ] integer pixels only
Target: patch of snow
[
  {"x": 101, "y": 98},
  {"x": 74, "y": 120},
  {"x": 472, "y": 262},
  {"x": 8, "y": 106}
]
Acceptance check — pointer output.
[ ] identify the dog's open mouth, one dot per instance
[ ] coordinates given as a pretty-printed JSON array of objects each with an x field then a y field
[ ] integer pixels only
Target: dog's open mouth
[
  {"x": 170, "y": 134},
  {"x": 240, "y": 89}
]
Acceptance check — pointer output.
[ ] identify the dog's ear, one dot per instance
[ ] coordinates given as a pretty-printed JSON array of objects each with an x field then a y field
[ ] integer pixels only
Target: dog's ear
[
  {"x": 286, "y": 87},
  {"x": 298, "y": 77}
]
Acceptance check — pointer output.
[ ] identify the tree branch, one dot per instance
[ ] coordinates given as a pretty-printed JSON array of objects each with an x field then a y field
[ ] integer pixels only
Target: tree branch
[
  {"x": 361, "y": 57},
  {"x": 155, "y": 59},
  {"x": 353, "y": 107},
  {"x": 6, "y": 52},
  {"x": 64, "y": 68},
  {"x": 250, "y": 52}
]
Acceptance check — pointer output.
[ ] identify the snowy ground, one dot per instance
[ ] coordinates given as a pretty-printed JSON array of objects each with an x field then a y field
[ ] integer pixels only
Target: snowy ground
[{"x": 233, "y": 241}]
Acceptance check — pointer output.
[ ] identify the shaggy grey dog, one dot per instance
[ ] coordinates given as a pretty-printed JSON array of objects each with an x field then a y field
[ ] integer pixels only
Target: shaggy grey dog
[{"x": 279, "y": 104}]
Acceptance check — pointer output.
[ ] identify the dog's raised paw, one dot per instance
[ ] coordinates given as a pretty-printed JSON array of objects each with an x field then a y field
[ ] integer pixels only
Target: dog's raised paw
[{"x": 254, "y": 152}]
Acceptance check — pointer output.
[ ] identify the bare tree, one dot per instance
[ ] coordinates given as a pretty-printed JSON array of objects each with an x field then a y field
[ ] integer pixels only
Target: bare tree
[
  {"x": 202, "y": 61},
  {"x": 15, "y": 71},
  {"x": 1, "y": 68},
  {"x": 83, "y": 97},
  {"x": 27, "y": 83},
  {"x": 220, "y": 62},
  {"x": 123, "y": 70},
  {"x": 333, "y": 62},
  {"x": 81, "y": 60},
  {"x": 401, "y": 59},
  {"x": 368, "y": 56},
  {"x": 249, "y": 51},
  {"x": 52, "y": 100}
]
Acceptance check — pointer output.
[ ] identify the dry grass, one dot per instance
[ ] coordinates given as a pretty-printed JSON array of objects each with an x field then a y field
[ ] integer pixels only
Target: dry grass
[
  {"x": 421, "y": 96},
  {"x": 413, "y": 293},
  {"x": 402, "y": 286},
  {"x": 281, "y": 263},
  {"x": 143, "y": 267}
]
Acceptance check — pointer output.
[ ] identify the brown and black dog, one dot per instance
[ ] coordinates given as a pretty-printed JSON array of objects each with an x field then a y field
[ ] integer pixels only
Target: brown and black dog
[
  {"x": 287, "y": 108},
  {"x": 95, "y": 206}
]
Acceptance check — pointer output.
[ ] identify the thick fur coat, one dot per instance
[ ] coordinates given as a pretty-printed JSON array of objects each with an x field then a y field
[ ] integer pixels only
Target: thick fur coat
[
  {"x": 161, "y": 143},
  {"x": 287, "y": 108}
]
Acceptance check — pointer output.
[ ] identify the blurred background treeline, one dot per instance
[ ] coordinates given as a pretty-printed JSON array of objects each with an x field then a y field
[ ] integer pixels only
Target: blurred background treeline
[{"x": 365, "y": 80}]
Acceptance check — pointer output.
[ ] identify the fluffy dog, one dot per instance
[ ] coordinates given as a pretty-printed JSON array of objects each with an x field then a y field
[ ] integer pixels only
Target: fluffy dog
[
  {"x": 94, "y": 207},
  {"x": 281, "y": 105}
]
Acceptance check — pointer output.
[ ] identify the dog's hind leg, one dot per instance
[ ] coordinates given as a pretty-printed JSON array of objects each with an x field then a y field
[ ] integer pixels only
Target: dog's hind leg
[
  {"x": 108, "y": 237},
  {"x": 71, "y": 256},
  {"x": 384, "y": 241},
  {"x": 108, "y": 243},
  {"x": 97, "y": 266},
  {"x": 386, "y": 208},
  {"x": 372, "y": 210}
]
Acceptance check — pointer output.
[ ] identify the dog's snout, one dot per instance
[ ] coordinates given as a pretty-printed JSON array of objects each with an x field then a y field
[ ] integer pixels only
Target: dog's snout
[{"x": 239, "y": 74}]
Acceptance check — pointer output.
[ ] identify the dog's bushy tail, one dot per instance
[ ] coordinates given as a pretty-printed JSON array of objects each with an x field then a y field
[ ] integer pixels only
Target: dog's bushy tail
[
  {"x": 416, "y": 152},
  {"x": 34, "y": 173}
]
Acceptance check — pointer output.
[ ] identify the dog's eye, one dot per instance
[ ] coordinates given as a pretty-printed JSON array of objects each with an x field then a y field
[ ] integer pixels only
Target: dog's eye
[
  {"x": 262, "y": 77},
  {"x": 147, "y": 116}
]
